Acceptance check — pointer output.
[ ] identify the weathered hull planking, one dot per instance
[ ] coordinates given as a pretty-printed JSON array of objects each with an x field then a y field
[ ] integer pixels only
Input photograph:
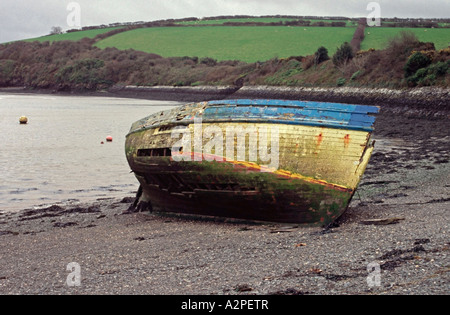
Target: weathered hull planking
[{"x": 262, "y": 160}]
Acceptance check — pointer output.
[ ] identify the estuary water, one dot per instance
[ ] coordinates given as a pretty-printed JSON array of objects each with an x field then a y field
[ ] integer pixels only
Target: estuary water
[{"x": 58, "y": 157}]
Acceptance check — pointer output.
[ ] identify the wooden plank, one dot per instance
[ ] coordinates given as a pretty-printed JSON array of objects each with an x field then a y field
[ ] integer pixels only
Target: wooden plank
[
  {"x": 294, "y": 116},
  {"x": 332, "y": 160},
  {"x": 341, "y": 116},
  {"x": 302, "y": 104}
]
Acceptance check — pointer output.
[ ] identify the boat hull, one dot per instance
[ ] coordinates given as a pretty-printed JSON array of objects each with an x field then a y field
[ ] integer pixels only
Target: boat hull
[
  {"x": 317, "y": 172},
  {"x": 277, "y": 200}
]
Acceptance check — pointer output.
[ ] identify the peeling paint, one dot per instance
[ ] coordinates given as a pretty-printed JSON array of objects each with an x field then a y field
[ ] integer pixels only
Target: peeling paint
[
  {"x": 323, "y": 152},
  {"x": 347, "y": 141}
]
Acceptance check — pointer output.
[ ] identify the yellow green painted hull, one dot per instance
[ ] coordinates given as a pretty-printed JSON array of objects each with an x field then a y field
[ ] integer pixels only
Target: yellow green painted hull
[{"x": 318, "y": 171}]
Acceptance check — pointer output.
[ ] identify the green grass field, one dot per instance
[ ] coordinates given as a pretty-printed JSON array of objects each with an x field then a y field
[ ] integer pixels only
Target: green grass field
[
  {"x": 246, "y": 43},
  {"x": 74, "y": 36},
  {"x": 377, "y": 37}
]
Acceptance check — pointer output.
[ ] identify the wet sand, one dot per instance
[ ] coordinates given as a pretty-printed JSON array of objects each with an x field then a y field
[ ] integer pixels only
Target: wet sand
[{"x": 399, "y": 220}]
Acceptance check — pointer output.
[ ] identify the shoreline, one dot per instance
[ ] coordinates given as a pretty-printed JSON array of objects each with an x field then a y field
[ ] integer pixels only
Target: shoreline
[
  {"x": 429, "y": 102},
  {"x": 398, "y": 219}
]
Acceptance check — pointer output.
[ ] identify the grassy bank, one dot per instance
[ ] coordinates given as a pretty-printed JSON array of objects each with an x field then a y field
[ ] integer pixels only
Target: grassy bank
[
  {"x": 377, "y": 37},
  {"x": 244, "y": 43},
  {"x": 251, "y": 39}
]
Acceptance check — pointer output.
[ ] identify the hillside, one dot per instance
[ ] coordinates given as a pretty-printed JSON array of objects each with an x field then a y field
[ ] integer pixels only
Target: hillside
[
  {"x": 283, "y": 54},
  {"x": 244, "y": 43},
  {"x": 251, "y": 39}
]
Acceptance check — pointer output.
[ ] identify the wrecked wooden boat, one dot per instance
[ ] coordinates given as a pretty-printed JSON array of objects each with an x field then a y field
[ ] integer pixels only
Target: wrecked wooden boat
[{"x": 262, "y": 160}]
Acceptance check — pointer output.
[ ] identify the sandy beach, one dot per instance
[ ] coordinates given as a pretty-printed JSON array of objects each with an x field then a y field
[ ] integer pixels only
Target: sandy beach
[{"x": 398, "y": 222}]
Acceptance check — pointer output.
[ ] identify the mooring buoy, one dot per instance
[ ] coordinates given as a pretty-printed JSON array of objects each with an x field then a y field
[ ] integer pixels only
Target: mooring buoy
[
  {"x": 23, "y": 120},
  {"x": 109, "y": 139}
]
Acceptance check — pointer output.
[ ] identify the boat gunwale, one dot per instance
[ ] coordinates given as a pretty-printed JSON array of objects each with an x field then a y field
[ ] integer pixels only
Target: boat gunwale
[
  {"x": 364, "y": 110},
  {"x": 336, "y": 107}
]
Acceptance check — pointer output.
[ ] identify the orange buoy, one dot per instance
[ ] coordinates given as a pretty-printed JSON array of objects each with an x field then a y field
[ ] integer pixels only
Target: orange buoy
[
  {"x": 23, "y": 120},
  {"x": 109, "y": 139}
]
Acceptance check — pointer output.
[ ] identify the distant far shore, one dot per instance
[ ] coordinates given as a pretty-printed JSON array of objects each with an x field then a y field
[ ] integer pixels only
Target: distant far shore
[{"x": 430, "y": 102}]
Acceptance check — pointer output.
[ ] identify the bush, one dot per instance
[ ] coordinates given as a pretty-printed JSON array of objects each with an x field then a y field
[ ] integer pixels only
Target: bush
[
  {"x": 6, "y": 71},
  {"x": 440, "y": 68},
  {"x": 84, "y": 73},
  {"x": 356, "y": 75},
  {"x": 428, "y": 76},
  {"x": 417, "y": 61},
  {"x": 341, "y": 81},
  {"x": 343, "y": 54},
  {"x": 402, "y": 44},
  {"x": 321, "y": 55}
]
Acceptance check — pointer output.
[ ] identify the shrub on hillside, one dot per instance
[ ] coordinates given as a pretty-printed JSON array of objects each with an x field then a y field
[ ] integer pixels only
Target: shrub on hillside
[
  {"x": 402, "y": 44},
  {"x": 341, "y": 82},
  {"x": 427, "y": 76},
  {"x": 417, "y": 61},
  {"x": 343, "y": 54},
  {"x": 321, "y": 55},
  {"x": 6, "y": 71},
  {"x": 388, "y": 65},
  {"x": 356, "y": 75},
  {"x": 84, "y": 73}
]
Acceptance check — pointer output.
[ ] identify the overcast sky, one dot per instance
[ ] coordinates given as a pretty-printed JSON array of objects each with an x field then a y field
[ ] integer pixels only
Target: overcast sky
[{"x": 30, "y": 18}]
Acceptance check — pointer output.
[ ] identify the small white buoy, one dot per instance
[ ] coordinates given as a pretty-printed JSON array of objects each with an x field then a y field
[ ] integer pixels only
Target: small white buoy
[{"x": 23, "y": 120}]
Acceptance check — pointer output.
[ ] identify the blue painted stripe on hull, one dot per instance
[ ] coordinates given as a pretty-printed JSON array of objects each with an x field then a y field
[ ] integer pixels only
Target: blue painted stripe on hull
[
  {"x": 303, "y": 104},
  {"x": 344, "y": 116},
  {"x": 317, "y": 114},
  {"x": 286, "y": 114}
]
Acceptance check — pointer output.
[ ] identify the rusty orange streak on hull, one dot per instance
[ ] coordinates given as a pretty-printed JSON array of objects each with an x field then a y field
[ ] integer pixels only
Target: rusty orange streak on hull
[
  {"x": 319, "y": 140},
  {"x": 347, "y": 140}
]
